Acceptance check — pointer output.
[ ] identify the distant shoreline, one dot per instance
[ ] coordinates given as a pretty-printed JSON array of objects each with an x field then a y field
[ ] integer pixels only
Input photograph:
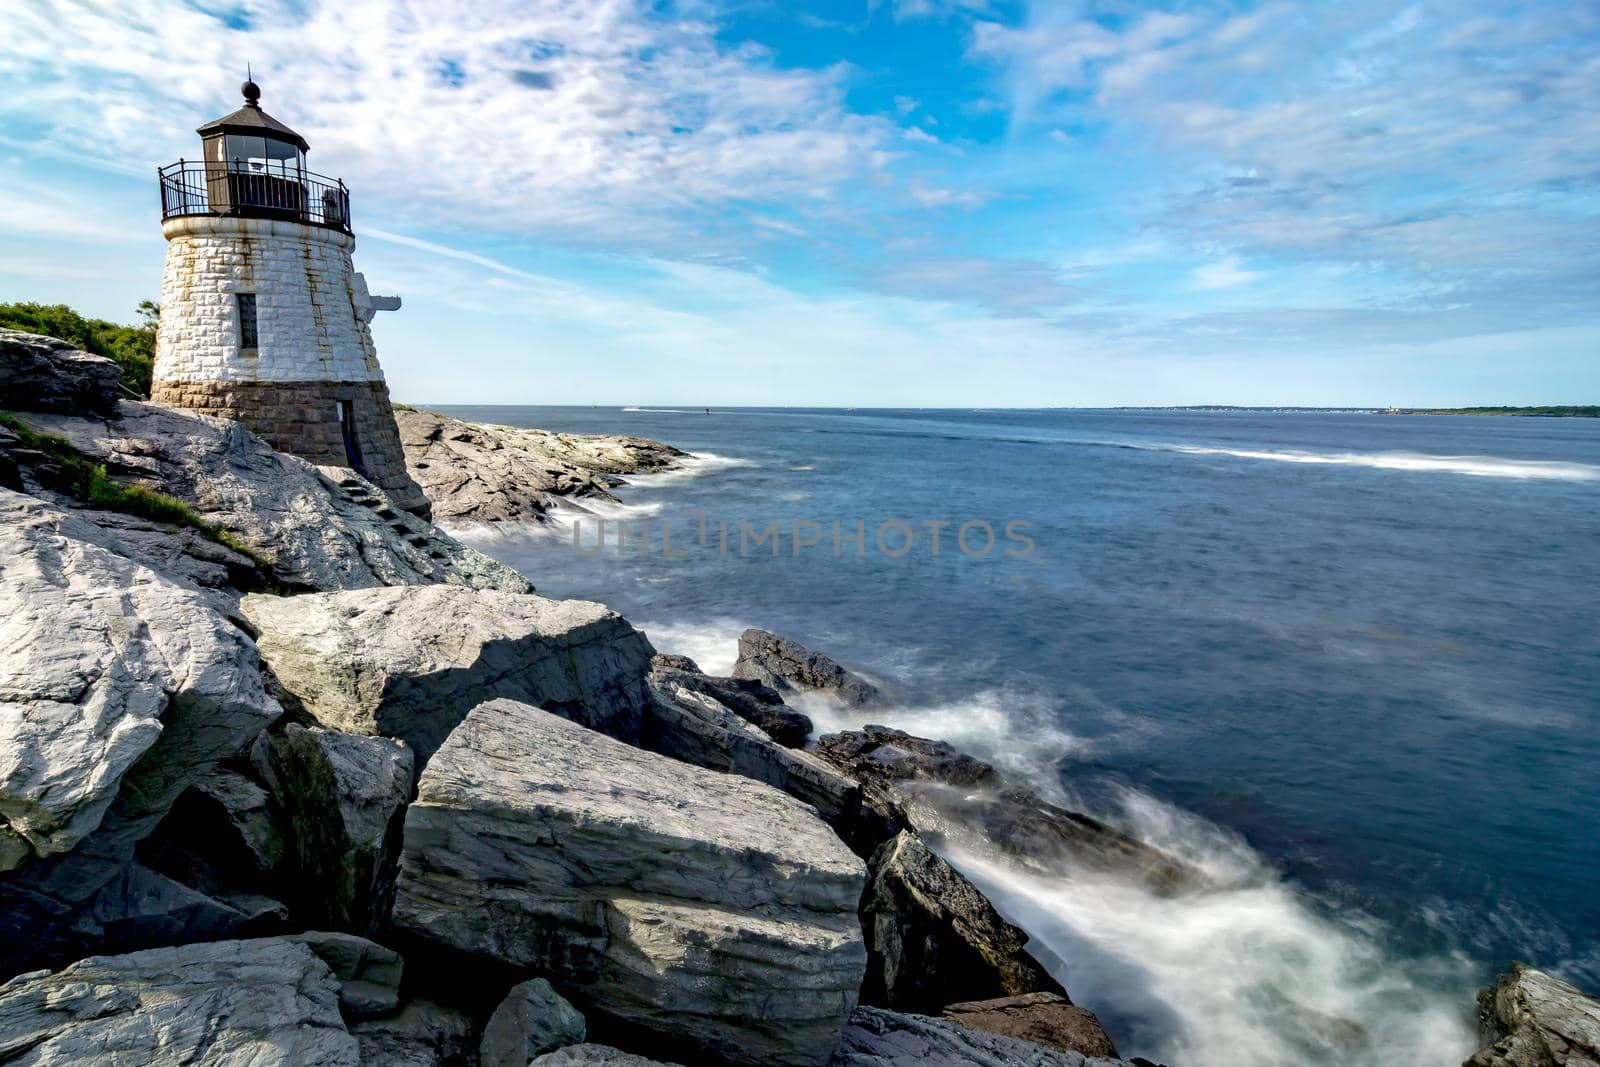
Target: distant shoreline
[{"x": 1578, "y": 411}]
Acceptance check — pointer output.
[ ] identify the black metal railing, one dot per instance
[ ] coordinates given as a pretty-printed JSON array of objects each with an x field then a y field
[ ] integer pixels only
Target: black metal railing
[{"x": 236, "y": 187}]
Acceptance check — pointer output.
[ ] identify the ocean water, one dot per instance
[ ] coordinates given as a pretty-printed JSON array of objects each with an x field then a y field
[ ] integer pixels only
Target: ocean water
[{"x": 1348, "y": 663}]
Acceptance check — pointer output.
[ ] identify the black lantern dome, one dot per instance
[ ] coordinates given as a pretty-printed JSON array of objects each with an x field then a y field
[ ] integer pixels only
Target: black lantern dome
[{"x": 252, "y": 165}]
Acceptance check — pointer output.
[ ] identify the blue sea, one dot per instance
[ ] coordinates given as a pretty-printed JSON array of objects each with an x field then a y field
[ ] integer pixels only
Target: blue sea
[{"x": 1348, "y": 663}]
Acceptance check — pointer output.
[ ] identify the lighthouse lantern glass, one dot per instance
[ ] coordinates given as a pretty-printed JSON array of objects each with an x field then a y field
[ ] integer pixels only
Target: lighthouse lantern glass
[{"x": 263, "y": 155}]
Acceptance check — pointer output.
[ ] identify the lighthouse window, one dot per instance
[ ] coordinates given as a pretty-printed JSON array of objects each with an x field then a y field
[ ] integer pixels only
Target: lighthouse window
[
  {"x": 263, "y": 155},
  {"x": 247, "y": 319}
]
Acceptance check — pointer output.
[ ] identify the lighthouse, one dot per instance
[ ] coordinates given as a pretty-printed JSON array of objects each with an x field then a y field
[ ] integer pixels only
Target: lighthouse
[{"x": 264, "y": 319}]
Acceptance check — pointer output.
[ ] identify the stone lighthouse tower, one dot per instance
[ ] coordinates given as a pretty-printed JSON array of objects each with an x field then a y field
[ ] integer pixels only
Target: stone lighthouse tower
[{"x": 263, "y": 317}]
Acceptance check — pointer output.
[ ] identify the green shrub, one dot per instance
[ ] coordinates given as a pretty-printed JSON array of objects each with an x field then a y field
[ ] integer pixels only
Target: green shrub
[
  {"x": 133, "y": 347},
  {"x": 86, "y": 481}
]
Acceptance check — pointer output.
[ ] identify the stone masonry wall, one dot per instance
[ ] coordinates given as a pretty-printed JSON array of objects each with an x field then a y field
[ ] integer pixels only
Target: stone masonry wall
[
  {"x": 301, "y": 418},
  {"x": 307, "y": 329}
]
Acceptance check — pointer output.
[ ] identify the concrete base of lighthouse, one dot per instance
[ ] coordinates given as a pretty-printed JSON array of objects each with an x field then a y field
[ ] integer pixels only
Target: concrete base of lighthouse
[{"x": 336, "y": 424}]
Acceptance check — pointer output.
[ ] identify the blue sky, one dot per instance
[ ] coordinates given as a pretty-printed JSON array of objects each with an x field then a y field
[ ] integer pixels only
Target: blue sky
[{"x": 875, "y": 202}]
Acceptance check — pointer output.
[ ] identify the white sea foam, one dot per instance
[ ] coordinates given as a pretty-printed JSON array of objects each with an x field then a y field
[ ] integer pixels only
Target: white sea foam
[
  {"x": 669, "y": 411},
  {"x": 1476, "y": 466},
  {"x": 1247, "y": 973},
  {"x": 713, "y": 645}
]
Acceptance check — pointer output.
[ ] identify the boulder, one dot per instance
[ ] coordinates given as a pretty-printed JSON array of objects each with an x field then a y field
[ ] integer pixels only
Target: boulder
[
  {"x": 266, "y": 1003},
  {"x": 878, "y": 1038},
  {"x": 479, "y": 474},
  {"x": 423, "y": 1034},
  {"x": 693, "y": 727},
  {"x": 1537, "y": 1020},
  {"x": 119, "y": 688},
  {"x": 884, "y": 754},
  {"x": 669, "y": 661},
  {"x": 940, "y": 792},
  {"x": 368, "y": 973},
  {"x": 532, "y": 1020},
  {"x": 711, "y": 911},
  {"x": 320, "y": 527},
  {"x": 1043, "y": 1018},
  {"x": 785, "y": 664},
  {"x": 596, "y": 1056},
  {"x": 933, "y": 938},
  {"x": 755, "y": 702},
  {"x": 39, "y": 373},
  {"x": 342, "y": 798},
  {"x": 410, "y": 662}
]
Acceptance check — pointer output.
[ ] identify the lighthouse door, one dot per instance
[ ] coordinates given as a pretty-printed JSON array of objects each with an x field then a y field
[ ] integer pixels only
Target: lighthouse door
[{"x": 347, "y": 427}]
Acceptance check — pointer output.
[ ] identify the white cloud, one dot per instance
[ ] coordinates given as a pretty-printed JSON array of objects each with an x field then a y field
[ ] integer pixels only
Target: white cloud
[
  {"x": 1224, "y": 274},
  {"x": 593, "y": 121}
]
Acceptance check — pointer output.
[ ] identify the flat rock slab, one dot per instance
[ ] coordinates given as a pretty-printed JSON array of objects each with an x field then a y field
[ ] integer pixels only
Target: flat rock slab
[
  {"x": 705, "y": 908},
  {"x": 265, "y": 1003},
  {"x": 410, "y": 662}
]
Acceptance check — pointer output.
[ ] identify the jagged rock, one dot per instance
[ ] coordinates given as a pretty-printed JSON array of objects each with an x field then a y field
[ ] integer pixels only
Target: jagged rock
[
  {"x": 411, "y": 662},
  {"x": 118, "y": 689},
  {"x": 878, "y": 1038},
  {"x": 785, "y": 664},
  {"x": 755, "y": 702},
  {"x": 708, "y": 909},
  {"x": 1043, "y": 1018},
  {"x": 693, "y": 727},
  {"x": 941, "y": 792},
  {"x": 478, "y": 474},
  {"x": 1538, "y": 1021},
  {"x": 231, "y": 820},
  {"x": 321, "y": 527},
  {"x": 596, "y": 1056},
  {"x": 368, "y": 973},
  {"x": 266, "y": 1003},
  {"x": 881, "y": 753},
  {"x": 934, "y": 939},
  {"x": 343, "y": 798},
  {"x": 674, "y": 662},
  {"x": 532, "y": 1020},
  {"x": 39, "y": 373},
  {"x": 424, "y": 1034}
]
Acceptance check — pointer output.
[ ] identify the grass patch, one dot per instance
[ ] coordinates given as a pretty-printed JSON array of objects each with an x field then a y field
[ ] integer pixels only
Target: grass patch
[
  {"x": 133, "y": 347},
  {"x": 86, "y": 481}
]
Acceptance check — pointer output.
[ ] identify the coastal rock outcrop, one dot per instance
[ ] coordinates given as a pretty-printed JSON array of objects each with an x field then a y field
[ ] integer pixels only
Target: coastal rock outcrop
[
  {"x": 784, "y": 664},
  {"x": 934, "y": 939},
  {"x": 945, "y": 793},
  {"x": 119, "y": 688},
  {"x": 1042, "y": 1018},
  {"x": 684, "y": 722},
  {"x": 1537, "y": 1021},
  {"x": 410, "y": 662},
  {"x": 481, "y": 474},
  {"x": 267, "y": 1003},
  {"x": 755, "y": 702},
  {"x": 878, "y": 1038},
  {"x": 711, "y": 911},
  {"x": 39, "y": 373},
  {"x": 319, "y": 527},
  {"x": 533, "y": 1019},
  {"x": 342, "y": 799}
]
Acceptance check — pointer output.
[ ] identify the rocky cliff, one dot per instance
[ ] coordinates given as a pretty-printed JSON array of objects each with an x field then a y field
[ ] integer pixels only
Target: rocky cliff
[{"x": 291, "y": 777}]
